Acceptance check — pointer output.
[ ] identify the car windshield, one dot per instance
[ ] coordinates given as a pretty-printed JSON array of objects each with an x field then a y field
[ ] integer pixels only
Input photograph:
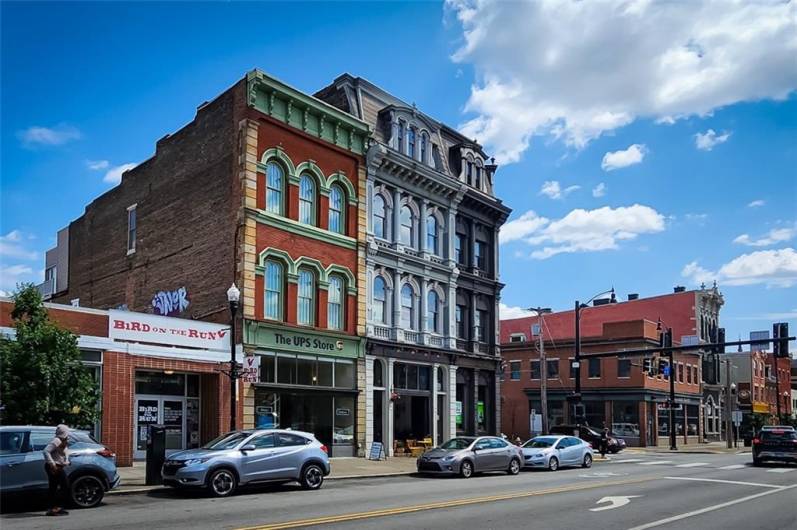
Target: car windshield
[
  {"x": 457, "y": 443},
  {"x": 227, "y": 441},
  {"x": 540, "y": 443}
]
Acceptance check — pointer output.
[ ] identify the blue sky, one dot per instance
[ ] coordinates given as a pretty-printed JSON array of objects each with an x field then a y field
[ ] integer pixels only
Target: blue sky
[{"x": 683, "y": 128}]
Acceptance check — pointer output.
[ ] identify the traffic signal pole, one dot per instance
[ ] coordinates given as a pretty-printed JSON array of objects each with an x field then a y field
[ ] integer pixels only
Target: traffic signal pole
[{"x": 668, "y": 344}]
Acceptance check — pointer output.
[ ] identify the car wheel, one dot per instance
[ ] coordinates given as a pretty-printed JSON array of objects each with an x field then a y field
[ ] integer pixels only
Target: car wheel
[
  {"x": 312, "y": 477},
  {"x": 587, "y": 460},
  {"x": 514, "y": 467},
  {"x": 222, "y": 483},
  {"x": 466, "y": 469},
  {"x": 553, "y": 464},
  {"x": 756, "y": 462},
  {"x": 87, "y": 491}
]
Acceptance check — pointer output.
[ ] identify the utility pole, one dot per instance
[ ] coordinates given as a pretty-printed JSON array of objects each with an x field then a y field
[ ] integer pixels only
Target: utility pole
[
  {"x": 577, "y": 366},
  {"x": 541, "y": 311},
  {"x": 728, "y": 409},
  {"x": 777, "y": 386},
  {"x": 668, "y": 344}
]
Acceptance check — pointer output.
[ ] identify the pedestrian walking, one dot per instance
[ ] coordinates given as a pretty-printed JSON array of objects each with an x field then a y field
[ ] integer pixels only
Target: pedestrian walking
[
  {"x": 55, "y": 462},
  {"x": 604, "y": 441}
]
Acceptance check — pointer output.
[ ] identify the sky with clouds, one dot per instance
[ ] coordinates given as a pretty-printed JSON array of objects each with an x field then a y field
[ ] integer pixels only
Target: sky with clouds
[{"x": 641, "y": 144}]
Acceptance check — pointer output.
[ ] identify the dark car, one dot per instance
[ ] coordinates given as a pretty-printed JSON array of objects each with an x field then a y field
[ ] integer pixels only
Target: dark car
[
  {"x": 589, "y": 435},
  {"x": 775, "y": 445}
]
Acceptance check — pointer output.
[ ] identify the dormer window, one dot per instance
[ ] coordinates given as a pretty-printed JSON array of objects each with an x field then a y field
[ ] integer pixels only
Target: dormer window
[
  {"x": 478, "y": 182},
  {"x": 469, "y": 173},
  {"x": 411, "y": 142},
  {"x": 400, "y": 136},
  {"x": 424, "y": 148}
]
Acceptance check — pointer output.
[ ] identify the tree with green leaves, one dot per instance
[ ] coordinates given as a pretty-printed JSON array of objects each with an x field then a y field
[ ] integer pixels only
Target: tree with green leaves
[{"x": 42, "y": 379}]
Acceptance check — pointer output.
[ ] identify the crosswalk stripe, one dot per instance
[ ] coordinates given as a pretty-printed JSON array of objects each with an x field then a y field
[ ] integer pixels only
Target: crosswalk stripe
[
  {"x": 655, "y": 463},
  {"x": 781, "y": 470},
  {"x": 734, "y": 466},
  {"x": 628, "y": 461},
  {"x": 693, "y": 464}
]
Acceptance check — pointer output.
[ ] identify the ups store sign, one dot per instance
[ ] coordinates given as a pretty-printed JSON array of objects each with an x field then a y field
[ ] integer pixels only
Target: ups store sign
[{"x": 266, "y": 336}]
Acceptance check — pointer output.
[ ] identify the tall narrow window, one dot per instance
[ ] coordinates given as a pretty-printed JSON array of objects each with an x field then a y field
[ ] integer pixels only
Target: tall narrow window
[
  {"x": 480, "y": 255},
  {"x": 411, "y": 142},
  {"x": 478, "y": 182},
  {"x": 337, "y": 216},
  {"x": 459, "y": 241},
  {"x": 400, "y": 137},
  {"x": 470, "y": 173},
  {"x": 131, "y": 229},
  {"x": 380, "y": 216},
  {"x": 424, "y": 148},
  {"x": 335, "y": 303},
  {"x": 406, "y": 233},
  {"x": 305, "y": 309},
  {"x": 431, "y": 234},
  {"x": 478, "y": 325},
  {"x": 380, "y": 300},
  {"x": 274, "y": 285},
  {"x": 306, "y": 200},
  {"x": 275, "y": 178},
  {"x": 433, "y": 312},
  {"x": 407, "y": 307},
  {"x": 461, "y": 331}
]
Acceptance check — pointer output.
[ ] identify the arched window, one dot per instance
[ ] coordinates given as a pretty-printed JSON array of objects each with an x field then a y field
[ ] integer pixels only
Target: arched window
[
  {"x": 407, "y": 307},
  {"x": 411, "y": 142},
  {"x": 337, "y": 212},
  {"x": 305, "y": 303},
  {"x": 405, "y": 236},
  {"x": 424, "y": 148},
  {"x": 275, "y": 180},
  {"x": 307, "y": 200},
  {"x": 274, "y": 285},
  {"x": 478, "y": 182},
  {"x": 431, "y": 234},
  {"x": 335, "y": 303},
  {"x": 380, "y": 216},
  {"x": 380, "y": 300},
  {"x": 400, "y": 137},
  {"x": 433, "y": 312},
  {"x": 379, "y": 378}
]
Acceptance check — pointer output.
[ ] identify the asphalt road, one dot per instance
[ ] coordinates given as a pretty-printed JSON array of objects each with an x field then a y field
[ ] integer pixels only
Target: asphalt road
[{"x": 650, "y": 491}]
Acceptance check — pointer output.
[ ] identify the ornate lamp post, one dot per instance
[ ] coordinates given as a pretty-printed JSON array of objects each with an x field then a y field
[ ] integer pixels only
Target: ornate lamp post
[{"x": 233, "y": 296}]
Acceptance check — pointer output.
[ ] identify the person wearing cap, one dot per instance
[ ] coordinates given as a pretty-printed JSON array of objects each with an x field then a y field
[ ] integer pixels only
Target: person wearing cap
[{"x": 55, "y": 460}]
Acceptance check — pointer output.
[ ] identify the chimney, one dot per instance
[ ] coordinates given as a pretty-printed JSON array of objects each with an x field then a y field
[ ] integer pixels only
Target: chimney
[
  {"x": 633, "y": 296},
  {"x": 679, "y": 289}
]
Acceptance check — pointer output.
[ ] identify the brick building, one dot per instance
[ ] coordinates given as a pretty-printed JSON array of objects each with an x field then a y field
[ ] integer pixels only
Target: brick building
[
  {"x": 694, "y": 319},
  {"x": 264, "y": 189},
  {"x": 143, "y": 376}
]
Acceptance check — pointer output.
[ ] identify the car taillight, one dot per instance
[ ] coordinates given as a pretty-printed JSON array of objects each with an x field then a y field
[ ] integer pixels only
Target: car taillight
[
  {"x": 324, "y": 448},
  {"x": 107, "y": 453},
  {"x": 756, "y": 441}
]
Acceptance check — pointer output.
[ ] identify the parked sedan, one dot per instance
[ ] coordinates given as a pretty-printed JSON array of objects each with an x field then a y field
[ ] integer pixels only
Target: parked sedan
[
  {"x": 466, "y": 455},
  {"x": 552, "y": 452},
  {"x": 92, "y": 469},
  {"x": 250, "y": 457}
]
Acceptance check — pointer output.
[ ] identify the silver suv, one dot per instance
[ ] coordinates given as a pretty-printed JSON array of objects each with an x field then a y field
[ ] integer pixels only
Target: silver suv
[
  {"x": 247, "y": 457},
  {"x": 92, "y": 471}
]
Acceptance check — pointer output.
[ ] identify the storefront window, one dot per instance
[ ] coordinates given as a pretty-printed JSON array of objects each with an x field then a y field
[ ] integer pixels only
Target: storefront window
[
  {"x": 305, "y": 370},
  {"x": 192, "y": 385},
  {"x": 625, "y": 420},
  {"x": 596, "y": 413},
  {"x": 267, "y": 369},
  {"x": 325, "y": 370},
  {"x": 344, "y": 374},
  {"x": 411, "y": 376},
  {"x": 286, "y": 369},
  {"x": 160, "y": 383}
]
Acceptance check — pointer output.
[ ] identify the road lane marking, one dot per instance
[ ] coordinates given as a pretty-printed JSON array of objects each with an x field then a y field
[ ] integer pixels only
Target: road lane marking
[
  {"x": 781, "y": 470},
  {"x": 656, "y": 463},
  {"x": 329, "y": 519},
  {"x": 614, "y": 502},
  {"x": 707, "y": 509},
  {"x": 734, "y": 466},
  {"x": 721, "y": 481},
  {"x": 629, "y": 461},
  {"x": 693, "y": 464}
]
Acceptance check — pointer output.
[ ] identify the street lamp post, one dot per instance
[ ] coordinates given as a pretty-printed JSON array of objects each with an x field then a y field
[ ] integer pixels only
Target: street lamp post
[
  {"x": 233, "y": 296},
  {"x": 576, "y": 397},
  {"x": 541, "y": 311}
]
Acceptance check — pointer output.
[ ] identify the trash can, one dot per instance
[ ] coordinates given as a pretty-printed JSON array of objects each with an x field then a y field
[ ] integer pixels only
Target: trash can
[{"x": 156, "y": 454}]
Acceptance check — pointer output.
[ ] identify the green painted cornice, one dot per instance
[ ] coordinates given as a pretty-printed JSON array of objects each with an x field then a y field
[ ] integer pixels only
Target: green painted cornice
[
  {"x": 306, "y": 113},
  {"x": 301, "y": 229}
]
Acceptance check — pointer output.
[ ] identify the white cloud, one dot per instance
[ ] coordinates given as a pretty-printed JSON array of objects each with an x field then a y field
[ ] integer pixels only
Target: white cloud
[
  {"x": 773, "y": 237},
  {"x": 11, "y": 276},
  {"x": 577, "y": 70},
  {"x": 773, "y": 268},
  {"x": 599, "y": 190},
  {"x": 114, "y": 174},
  {"x": 553, "y": 190},
  {"x": 707, "y": 140},
  {"x": 44, "y": 136},
  {"x": 12, "y": 246},
  {"x": 97, "y": 165},
  {"x": 620, "y": 159},
  {"x": 583, "y": 230},
  {"x": 506, "y": 312},
  {"x": 756, "y": 203}
]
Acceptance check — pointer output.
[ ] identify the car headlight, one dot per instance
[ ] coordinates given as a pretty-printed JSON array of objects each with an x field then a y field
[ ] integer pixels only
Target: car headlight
[
  {"x": 195, "y": 461},
  {"x": 448, "y": 458}
]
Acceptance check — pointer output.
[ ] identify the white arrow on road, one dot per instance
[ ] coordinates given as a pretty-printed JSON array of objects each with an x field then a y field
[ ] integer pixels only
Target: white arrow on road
[{"x": 616, "y": 502}]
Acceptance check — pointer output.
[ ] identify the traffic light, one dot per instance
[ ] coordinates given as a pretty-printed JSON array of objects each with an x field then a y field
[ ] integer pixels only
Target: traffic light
[
  {"x": 647, "y": 364},
  {"x": 780, "y": 332}
]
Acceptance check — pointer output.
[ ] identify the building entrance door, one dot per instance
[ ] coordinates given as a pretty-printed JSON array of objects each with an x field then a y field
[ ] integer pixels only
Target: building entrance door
[{"x": 171, "y": 412}]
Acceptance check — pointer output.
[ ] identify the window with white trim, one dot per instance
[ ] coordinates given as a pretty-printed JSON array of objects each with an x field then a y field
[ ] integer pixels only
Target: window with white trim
[
  {"x": 335, "y": 299},
  {"x": 433, "y": 312},
  {"x": 380, "y": 300},
  {"x": 131, "y": 228},
  {"x": 432, "y": 234},
  {"x": 407, "y": 226},
  {"x": 408, "y": 307},
  {"x": 337, "y": 210},
  {"x": 274, "y": 289},
  {"x": 305, "y": 306},
  {"x": 307, "y": 200},
  {"x": 275, "y": 182}
]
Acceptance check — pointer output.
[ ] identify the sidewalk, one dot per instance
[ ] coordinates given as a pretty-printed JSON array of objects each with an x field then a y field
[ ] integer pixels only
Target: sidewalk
[
  {"x": 133, "y": 478},
  {"x": 697, "y": 448}
]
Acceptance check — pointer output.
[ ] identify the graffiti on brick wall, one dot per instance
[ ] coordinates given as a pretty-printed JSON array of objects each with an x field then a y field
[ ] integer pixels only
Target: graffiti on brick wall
[{"x": 169, "y": 303}]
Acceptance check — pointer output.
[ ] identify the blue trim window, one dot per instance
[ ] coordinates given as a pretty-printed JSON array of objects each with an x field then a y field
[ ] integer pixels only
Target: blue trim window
[
  {"x": 275, "y": 179},
  {"x": 337, "y": 215},
  {"x": 272, "y": 308},
  {"x": 307, "y": 200}
]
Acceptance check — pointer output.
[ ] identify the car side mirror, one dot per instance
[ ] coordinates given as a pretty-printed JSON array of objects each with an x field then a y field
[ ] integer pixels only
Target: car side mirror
[{"x": 249, "y": 447}]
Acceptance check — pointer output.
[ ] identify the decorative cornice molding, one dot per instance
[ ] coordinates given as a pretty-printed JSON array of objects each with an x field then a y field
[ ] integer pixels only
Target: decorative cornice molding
[{"x": 295, "y": 227}]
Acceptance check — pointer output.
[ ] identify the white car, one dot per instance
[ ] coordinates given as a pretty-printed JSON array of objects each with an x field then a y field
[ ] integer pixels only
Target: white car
[{"x": 553, "y": 451}]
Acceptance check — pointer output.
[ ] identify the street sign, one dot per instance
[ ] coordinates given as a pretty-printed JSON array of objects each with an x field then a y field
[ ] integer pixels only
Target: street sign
[
  {"x": 377, "y": 450},
  {"x": 737, "y": 417}
]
